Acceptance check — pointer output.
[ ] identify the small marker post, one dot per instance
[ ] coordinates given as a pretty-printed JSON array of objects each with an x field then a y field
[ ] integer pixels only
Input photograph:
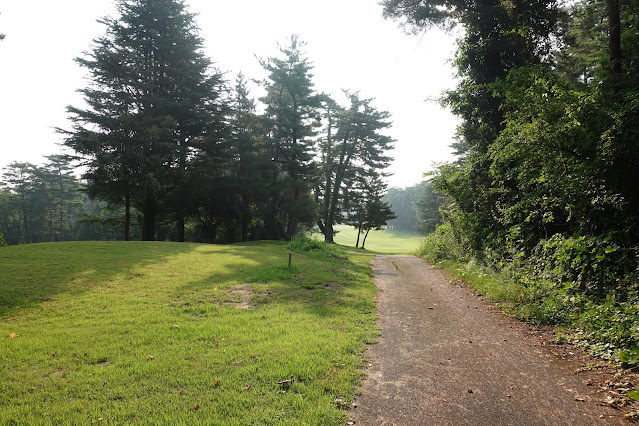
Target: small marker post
[{"x": 290, "y": 254}]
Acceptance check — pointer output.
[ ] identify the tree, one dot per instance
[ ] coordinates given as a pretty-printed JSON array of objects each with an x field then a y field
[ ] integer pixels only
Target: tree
[
  {"x": 356, "y": 148},
  {"x": 366, "y": 209},
  {"x": 154, "y": 103},
  {"x": 19, "y": 180},
  {"x": 428, "y": 209},
  {"x": 378, "y": 212},
  {"x": 291, "y": 117}
]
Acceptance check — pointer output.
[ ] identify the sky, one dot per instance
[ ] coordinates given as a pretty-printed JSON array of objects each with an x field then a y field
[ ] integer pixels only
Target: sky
[{"x": 349, "y": 43}]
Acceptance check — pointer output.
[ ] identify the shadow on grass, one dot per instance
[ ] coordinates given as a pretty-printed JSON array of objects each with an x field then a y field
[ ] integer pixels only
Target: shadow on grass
[
  {"x": 36, "y": 273},
  {"x": 320, "y": 285},
  {"x": 33, "y": 273}
]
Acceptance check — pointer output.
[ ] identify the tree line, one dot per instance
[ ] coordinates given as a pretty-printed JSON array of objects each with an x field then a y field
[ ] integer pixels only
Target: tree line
[
  {"x": 180, "y": 153},
  {"x": 544, "y": 184},
  {"x": 416, "y": 207}
]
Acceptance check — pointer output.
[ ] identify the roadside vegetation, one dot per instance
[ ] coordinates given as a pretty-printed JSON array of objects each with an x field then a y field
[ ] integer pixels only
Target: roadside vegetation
[
  {"x": 541, "y": 207},
  {"x": 168, "y": 333},
  {"x": 541, "y": 291}
]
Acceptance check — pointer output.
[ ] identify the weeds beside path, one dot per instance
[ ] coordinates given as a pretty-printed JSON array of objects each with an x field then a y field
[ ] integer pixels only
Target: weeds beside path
[{"x": 446, "y": 358}]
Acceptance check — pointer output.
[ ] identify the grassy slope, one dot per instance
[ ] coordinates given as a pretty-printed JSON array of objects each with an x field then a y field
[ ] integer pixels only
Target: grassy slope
[
  {"x": 88, "y": 315},
  {"x": 388, "y": 241}
]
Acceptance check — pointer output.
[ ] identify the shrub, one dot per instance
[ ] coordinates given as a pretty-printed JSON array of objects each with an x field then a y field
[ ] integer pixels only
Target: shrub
[{"x": 304, "y": 244}]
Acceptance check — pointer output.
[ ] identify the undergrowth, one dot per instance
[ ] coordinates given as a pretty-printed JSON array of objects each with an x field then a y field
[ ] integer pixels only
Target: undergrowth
[
  {"x": 558, "y": 284},
  {"x": 304, "y": 244}
]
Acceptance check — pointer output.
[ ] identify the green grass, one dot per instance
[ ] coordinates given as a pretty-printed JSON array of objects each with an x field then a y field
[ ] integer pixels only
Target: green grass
[
  {"x": 223, "y": 325},
  {"x": 387, "y": 241}
]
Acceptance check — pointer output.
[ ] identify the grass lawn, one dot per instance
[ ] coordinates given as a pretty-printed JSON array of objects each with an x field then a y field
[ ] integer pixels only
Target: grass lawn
[
  {"x": 387, "y": 241},
  {"x": 176, "y": 333}
]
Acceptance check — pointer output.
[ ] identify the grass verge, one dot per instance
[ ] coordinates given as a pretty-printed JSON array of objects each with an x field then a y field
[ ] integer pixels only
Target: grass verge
[
  {"x": 604, "y": 328},
  {"x": 174, "y": 333}
]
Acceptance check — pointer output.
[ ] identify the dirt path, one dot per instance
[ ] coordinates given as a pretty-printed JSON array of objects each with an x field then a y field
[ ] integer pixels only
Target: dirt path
[{"x": 445, "y": 358}]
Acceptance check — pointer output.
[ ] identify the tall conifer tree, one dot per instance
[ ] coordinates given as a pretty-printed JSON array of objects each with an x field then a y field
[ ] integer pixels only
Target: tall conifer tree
[
  {"x": 292, "y": 115},
  {"x": 154, "y": 104}
]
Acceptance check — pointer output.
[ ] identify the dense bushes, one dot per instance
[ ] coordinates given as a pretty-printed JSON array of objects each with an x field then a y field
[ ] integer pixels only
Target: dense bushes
[{"x": 583, "y": 283}]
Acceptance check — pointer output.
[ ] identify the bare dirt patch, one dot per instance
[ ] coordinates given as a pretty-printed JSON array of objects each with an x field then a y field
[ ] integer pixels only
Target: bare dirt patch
[{"x": 243, "y": 295}]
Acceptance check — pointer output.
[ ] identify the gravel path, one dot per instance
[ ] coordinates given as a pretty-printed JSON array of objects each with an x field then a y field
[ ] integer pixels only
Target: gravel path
[{"x": 445, "y": 358}]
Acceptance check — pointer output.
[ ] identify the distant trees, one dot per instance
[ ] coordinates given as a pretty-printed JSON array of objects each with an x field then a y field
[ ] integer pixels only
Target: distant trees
[
  {"x": 41, "y": 203},
  {"x": 416, "y": 207}
]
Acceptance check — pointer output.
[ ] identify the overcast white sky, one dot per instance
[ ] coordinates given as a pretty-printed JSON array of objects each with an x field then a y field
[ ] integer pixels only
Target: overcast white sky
[{"x": 350, "y": 44}]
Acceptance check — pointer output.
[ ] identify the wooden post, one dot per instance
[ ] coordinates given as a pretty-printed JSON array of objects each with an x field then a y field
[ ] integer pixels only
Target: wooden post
[{"x": 289, "y": 259}]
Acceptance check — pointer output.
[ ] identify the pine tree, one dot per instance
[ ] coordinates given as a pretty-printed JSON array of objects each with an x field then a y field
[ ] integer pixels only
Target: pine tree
[
  {"x": 154, "y": 104},
  {"x": 352, "y": 147},
  {"x": 292, "y": 109}
]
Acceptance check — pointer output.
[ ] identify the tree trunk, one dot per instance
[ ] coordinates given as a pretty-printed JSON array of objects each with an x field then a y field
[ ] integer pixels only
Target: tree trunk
[
  {"x": 291, "y": 229},
  {"x": 614, "y": 38},
  {"x": 127, "y": 216},
  {"x": 293, "y": 215},
  {"x": 344, "y": 161},
  {"x": 329, "y": 234},
  {"x": 359, "y": 232},
  {"x": 149, "y": 216},
  {"x": 245, "y": 216},
  {"x": 364, "y": 240},
  {"x": 179, "y": 228},
  {"x": 270, "y": 223}
]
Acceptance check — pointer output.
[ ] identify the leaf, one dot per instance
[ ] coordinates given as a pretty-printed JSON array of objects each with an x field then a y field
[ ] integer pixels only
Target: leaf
[
  {"x": 217, "y": 383},
  {"x": 150, "y": 357},
  {"x": 13, "y": 336},
  {"x": 247, "y": 386},
  {"x": 633, "y": 394}
]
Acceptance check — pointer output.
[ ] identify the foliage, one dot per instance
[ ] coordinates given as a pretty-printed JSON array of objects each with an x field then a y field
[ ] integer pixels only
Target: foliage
[
  {"x": 154, "y": 109},
  {"x": 291, "y": 117},
  {"x": 543, "y": 193},
  {"x": 109, "y": 333},
  {"x": 367, "y": 210},
  {"x": 417, "y": 208},
  {"x": 302, "y": 243},
  {"x": 2, "y": 241},
  {"x": 353, "y": 149}
]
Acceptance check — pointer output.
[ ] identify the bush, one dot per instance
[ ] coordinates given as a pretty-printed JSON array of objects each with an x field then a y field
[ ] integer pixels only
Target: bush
[
  {"x": 304, "y": 244},
  {"x": 444, "y": 244}
]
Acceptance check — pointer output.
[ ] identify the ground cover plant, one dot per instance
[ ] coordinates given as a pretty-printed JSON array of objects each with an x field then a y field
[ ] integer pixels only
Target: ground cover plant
[
  {"x": 538, "y": 289},
  {"x": 386, "y": 241},
  {"x": 169, "y": 333}
]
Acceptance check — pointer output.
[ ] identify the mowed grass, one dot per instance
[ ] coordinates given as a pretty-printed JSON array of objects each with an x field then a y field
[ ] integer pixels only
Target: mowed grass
[
  {"x": 175, "y": 333},
  {"x": 386, "y": 241}
]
